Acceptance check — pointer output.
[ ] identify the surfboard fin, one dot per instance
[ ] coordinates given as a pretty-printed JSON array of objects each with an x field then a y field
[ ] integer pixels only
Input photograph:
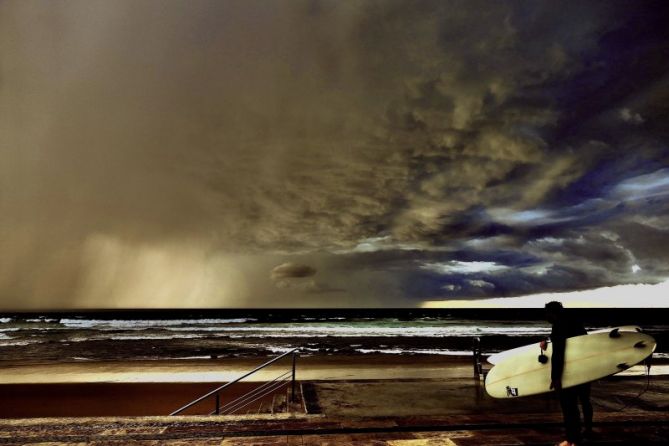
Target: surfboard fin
[
  {"x": 640, "y": 344},
  {"x": 615, "y": 333},
  {"x": 623, "y": 366}
]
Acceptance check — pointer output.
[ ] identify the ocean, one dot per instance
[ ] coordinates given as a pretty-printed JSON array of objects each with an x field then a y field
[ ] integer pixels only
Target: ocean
[{"x": 200, "y": 334}]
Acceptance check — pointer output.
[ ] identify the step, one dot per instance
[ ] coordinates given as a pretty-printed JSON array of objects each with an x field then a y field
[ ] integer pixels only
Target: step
[{"x": 279, "y": 403}]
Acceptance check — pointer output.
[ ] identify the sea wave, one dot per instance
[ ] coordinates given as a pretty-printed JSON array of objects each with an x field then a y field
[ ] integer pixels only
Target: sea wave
[
  {"x": 401, "y": 351},
  {"x": 279, "y": 349},
  {"x": 302, "y": 330},
  {"x": 140, "y": 324},
  {"x": 18, "y": 342},
  {"x": 242, "y": 327},
  {"x": 154, "y": 337},
  {"x": 131, "y": 337}
]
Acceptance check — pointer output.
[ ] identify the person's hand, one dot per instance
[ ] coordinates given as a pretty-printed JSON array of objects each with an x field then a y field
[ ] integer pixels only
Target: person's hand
[
  {"x": 543, "y": 344},
  {"x": 556, "y": 384}
]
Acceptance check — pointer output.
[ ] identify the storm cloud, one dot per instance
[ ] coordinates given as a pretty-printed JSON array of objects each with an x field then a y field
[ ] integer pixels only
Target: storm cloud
[{"x": 165, "y": 153}]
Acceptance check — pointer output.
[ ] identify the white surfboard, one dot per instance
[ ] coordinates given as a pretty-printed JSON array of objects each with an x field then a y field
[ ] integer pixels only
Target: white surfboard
[
  {"x": 587, "y": 358},
  {"x": 496, "y": 358}
]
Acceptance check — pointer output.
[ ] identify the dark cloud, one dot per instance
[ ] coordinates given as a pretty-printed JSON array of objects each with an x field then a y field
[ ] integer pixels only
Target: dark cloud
[
  {"x": 184, "y": 149},
  {"x": 291, "y": 270},
  {"x": 296, "y": 277}
]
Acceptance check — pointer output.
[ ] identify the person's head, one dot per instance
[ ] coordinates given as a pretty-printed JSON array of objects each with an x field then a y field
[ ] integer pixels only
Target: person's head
[{"x": 553, "y": 311}]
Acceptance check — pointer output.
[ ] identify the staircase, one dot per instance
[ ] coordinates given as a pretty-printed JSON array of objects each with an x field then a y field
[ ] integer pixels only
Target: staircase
[
  {"x": 278, "y": 395},
  {"x": 275, "y": 403},
  {"x": 278, "y": 403}
]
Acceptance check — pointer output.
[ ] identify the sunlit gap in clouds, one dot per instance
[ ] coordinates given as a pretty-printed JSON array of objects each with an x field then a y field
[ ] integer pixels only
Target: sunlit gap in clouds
[
  {"x": 456, "y": 266},
  {"x": 621, "y": 296}
]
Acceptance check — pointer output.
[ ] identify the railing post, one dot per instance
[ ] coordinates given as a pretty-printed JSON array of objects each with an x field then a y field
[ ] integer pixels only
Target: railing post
[
  {"x": 218, "y": 403},
  {"x": 292, "y": 393},
  {"x": 476, "y": 354}
]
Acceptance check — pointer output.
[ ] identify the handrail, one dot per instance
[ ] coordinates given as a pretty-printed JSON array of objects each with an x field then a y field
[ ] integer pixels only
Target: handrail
[{"x": 218, "y": 389}]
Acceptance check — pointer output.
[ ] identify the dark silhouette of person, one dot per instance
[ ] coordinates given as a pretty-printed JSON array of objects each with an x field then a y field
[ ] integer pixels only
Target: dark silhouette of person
[{"x": 563, "y": 328}]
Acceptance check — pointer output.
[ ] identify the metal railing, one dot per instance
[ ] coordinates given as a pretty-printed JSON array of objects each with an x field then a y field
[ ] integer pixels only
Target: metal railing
[{"x": 250, "y": 397}]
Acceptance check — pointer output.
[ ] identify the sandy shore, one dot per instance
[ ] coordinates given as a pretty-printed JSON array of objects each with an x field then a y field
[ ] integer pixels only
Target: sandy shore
[
  {"x": 309, "y": 368},
  {"x": 132, "y": 388}
]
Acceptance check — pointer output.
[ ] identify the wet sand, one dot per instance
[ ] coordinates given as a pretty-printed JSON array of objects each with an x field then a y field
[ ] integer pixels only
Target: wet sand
[
  {"x": 105, "y": 399},
  {"x": 309, "y": 368}
]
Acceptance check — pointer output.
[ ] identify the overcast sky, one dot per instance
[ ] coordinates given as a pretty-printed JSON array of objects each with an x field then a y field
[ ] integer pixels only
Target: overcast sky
[{"x": 386, "y": 153}]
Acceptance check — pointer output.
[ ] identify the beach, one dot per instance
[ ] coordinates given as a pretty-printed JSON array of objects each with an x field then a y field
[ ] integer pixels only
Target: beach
[{"x": 86, "y": 379}]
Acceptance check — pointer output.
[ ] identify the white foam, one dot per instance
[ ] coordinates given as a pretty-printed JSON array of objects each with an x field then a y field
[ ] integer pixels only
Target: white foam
[
  {"x": 153, "y": 337},
  {"x": 130, "y": 337},
  {"x": 140, "y": 324},
  {"x": 398, "y": 351},
  {"x": 17, "y": 343},
  {"x": 277, "y": 349},
  {"x": 275, "y": 335}
]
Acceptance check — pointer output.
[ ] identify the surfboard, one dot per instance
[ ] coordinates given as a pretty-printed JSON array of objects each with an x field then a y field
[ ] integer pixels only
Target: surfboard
[
  {"x": 587, "y": 358},
  {"x": 499, "y": 357}
]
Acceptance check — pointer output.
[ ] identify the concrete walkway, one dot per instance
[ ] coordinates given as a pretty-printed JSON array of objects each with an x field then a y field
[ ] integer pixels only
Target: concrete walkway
[{"x": 610, "y": 429}]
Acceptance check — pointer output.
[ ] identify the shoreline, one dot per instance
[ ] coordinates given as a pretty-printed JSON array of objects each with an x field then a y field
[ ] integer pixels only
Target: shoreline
[{"x": 309, "y": 368}]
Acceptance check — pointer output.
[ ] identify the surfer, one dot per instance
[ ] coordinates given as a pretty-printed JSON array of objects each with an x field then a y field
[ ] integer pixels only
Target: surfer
[{"x": 564, "y": 327}]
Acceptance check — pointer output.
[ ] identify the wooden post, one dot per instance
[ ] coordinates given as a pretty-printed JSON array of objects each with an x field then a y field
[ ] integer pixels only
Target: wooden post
[
  {"x": 292, "y": 393},
  {"x": 476, "y": 354}
]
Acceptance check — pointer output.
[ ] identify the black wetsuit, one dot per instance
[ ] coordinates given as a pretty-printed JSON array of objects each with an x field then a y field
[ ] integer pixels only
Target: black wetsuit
[{"x": 562, "y": 329}]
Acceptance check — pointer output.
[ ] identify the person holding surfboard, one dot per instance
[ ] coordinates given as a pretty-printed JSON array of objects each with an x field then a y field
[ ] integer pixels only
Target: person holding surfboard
[{"x": 564, "y": 327}]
